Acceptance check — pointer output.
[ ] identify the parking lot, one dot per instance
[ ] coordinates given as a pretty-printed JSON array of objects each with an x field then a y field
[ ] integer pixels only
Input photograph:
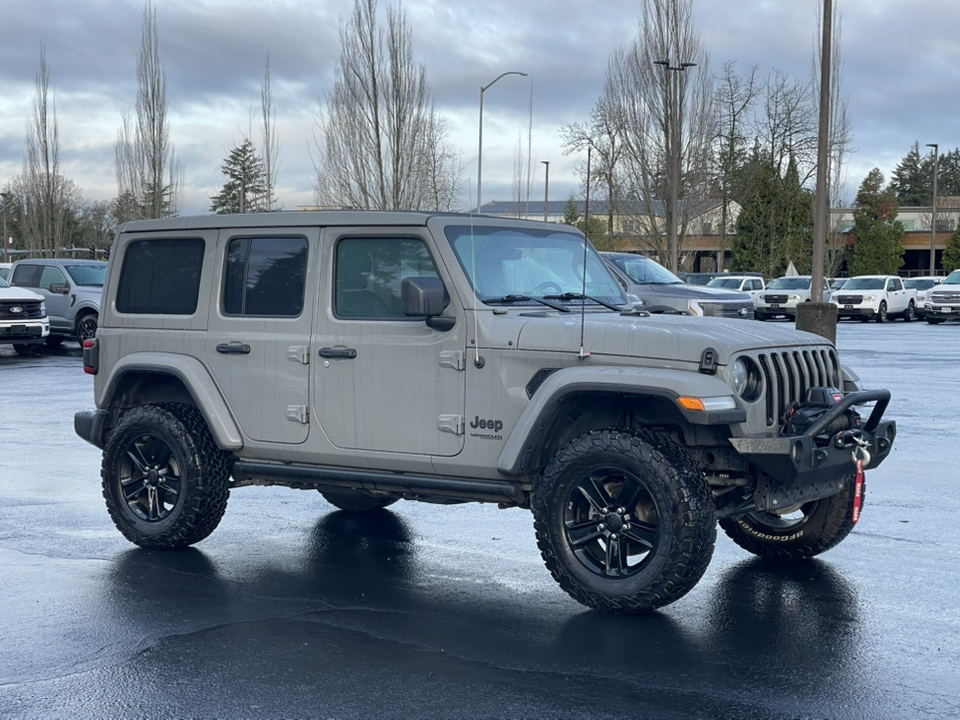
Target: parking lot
[{"x": 294, "y": 609}]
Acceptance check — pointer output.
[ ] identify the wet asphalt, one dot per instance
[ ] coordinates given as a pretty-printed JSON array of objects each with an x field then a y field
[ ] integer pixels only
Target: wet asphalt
[{"x": 292, "y": 609}]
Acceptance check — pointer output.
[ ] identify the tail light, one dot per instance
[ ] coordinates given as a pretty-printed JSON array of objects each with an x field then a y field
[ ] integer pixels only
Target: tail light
[{"x": 91, "y": 356}]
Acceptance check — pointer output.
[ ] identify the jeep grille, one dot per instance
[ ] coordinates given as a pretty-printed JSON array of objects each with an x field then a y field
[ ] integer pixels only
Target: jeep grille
[{"x": 788, "y": 374}]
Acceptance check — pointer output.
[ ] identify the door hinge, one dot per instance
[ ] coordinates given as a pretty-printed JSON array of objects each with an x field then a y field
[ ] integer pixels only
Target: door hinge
[
  {"x": 451, "y": 424},
  {"x": 298, "y": 413},
  {"x": 300, "y": 353},
  {"x": 453, "y": 359}
]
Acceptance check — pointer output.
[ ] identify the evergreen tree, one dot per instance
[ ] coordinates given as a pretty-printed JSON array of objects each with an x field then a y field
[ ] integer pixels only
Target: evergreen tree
[
  {"x": 246, "y": 186},
  {"x": 877, "y": 234},
  {"x": 951, "y": 255},
  {"x": 571, "y": 213},
  {"x": 775, "y": 222},
  {"x": 912, "y": 180}
]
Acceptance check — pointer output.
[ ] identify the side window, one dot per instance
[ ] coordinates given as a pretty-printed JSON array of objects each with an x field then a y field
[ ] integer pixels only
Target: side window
[
  {"x": 51, "y": 276},
  {"x": 160, "y": 277},
  {"x": 265, "y": 276},
  {"x": 27, "y": 275},
  {"x": 368, "y": 273},
  {"x": 896, "y": 284}
]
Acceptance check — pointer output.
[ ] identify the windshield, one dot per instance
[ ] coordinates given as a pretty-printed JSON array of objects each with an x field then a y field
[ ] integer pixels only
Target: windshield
[
  {"x": 644, "y": 271},
  {"x": 953, "y": 278},
  {"x": 92, "y": 275},
  {"x": 3, "y": 283},
  {"x": 919, "y": 284},
  {"x": 864, "y": 284},
  {"x": 725, "y": 283},
  {"x": 514, "y": 264},
  {"x": 790, "y": 283}
]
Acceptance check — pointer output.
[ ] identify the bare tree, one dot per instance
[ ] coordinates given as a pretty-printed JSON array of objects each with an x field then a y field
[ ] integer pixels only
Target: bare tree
[
  {"x": 271, "y": 142},
  {"x": 43, "y": 193},
  {"x": 603, "y": 134},
  {"x": 149, "y": 177},
  {"x": 378, "y": 126},
  {"x": 734, "y": 99},
  {"x": 786, "y": 124},
  {"x": 661, "y": 90}
]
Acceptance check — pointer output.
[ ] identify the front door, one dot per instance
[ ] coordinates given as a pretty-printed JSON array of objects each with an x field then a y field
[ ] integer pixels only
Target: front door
[
  {"x": 382, "y": 381},
  {"x": 258, "y": 333}
]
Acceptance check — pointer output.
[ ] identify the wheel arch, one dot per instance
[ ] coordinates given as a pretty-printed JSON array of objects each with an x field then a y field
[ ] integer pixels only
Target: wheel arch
[
  {"x": 576, "y": 400},
  {"x": 151, "y": 378}
]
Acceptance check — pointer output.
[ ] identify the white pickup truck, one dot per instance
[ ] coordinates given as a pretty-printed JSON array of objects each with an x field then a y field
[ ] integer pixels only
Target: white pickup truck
[
  {"x": 875, "y": 297},
  {"x": 943, "y": 300}
]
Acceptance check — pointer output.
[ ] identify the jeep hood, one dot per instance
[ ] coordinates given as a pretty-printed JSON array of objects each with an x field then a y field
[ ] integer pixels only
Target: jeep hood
[{"x": 661, "y": 337}]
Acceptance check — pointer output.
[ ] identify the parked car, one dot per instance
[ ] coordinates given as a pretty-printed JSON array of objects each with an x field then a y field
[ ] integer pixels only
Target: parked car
[
  {"x": 663, "y": 292},
  {"x": 753, "y": 285},
  {"x": 943, "y": 301},
  {"x": 23, "y": 318},
  {"x": 875, "y": 297},
  {"x": 922, "y": 285},
  {"x": 781, "y": 296},
  {"x": 71, "y": 289},
  {"x": 345, "y": 352}
]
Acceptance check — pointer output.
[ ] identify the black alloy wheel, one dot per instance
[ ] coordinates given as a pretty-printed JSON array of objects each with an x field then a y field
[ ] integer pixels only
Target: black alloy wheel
[
  {"x": 624, "y": 521},
  {"x": 87, "y": 327}
]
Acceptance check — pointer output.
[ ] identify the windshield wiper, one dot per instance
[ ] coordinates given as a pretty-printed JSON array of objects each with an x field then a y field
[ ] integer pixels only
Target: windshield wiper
[
  {"x": 581, "y": 296},
  {"x": 526, "y": 298}
]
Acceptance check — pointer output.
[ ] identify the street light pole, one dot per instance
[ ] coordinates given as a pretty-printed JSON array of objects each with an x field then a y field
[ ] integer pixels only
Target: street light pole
[
  {"x": 546, "y": 190},
  {"x": 673, "y": 92},
  {"x": 6, "y": 251},
  {"x": 483, "y": 89},
  {"x": 933, "y": 221}
]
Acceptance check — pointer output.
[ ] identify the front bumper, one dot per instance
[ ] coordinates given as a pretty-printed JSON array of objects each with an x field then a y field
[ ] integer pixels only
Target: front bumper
[
  {"x": 798, "y": 468},
  {"x": 856, "y": 311},
  {"x": 943, "y": 312}
]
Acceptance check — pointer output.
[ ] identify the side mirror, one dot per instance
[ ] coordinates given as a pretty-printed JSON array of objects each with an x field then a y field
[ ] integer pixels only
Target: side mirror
[
  {"x": 60, "y": 288},
  {"x": 426, "y": 296}
]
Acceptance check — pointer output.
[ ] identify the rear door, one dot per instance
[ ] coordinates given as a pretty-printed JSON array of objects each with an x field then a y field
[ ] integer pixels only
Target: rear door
[{"x": 258, "y": 336}]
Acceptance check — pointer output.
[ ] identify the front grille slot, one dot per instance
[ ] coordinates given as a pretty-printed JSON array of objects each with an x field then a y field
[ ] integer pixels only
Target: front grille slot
[{"x": 789, "y": 374}]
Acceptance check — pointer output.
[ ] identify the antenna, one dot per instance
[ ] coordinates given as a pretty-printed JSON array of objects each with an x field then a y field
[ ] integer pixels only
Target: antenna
[
  {"x": 473, "y": 280},
  {"x": 583, "y": 294}
]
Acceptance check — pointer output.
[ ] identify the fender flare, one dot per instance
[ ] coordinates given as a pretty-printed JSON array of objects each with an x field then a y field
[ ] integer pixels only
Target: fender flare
[
  {"x": 195, "y": 378},
  {"x": 528, "y": 433}
]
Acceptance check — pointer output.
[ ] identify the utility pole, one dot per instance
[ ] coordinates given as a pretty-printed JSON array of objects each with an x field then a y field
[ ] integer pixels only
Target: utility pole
[
  {"x": 674, "y": 92},
  {"x": 6, "y": 249},
  {"x": 933, "y": 220}
]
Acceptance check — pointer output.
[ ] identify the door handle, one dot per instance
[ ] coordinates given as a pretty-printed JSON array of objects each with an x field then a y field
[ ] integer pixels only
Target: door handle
[
  {"x": 329, "y": 352},
  {"x": 233, "y": 348}
]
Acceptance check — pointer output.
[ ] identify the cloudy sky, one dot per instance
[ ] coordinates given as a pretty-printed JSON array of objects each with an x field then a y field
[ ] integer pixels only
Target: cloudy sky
[{"x": 901, "y": 76}]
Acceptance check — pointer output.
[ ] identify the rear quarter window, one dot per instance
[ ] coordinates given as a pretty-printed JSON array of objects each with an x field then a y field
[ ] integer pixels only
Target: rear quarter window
[{"x": 160, "y": 277}]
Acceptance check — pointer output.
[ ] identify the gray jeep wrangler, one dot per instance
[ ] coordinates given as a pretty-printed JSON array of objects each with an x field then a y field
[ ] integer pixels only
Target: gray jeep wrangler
[{"x": 379, "y": 356}]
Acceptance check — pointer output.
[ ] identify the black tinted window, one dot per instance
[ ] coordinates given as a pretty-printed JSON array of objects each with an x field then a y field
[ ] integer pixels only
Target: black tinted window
[
  {"x": 265, "y": 276},
  {"x": 160, "y": 277},
  {"x": 369, "y": 272}
]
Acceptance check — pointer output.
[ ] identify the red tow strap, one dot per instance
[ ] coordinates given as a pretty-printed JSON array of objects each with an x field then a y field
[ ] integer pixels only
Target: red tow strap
[{"x": 858, "y": 491}]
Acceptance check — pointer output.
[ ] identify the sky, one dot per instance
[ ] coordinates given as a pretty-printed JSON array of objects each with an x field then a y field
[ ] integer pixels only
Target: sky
[{"x": 901, "y": 77}]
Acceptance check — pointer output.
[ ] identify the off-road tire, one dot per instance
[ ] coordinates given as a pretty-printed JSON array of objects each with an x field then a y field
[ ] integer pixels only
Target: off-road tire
[
  {"x": 174, "y": 452},
  {"x": 670, "y": 504},
  {"x": 87, "y": 327},
  {"x": 824, "y": 524},
  {"x": 357, "y": 501}
]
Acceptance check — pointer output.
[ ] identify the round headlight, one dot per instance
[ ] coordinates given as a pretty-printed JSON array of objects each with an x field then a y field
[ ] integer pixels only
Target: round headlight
[
  {"x": 745, "y": 379},
  {"x": 739, "y": 376}
]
